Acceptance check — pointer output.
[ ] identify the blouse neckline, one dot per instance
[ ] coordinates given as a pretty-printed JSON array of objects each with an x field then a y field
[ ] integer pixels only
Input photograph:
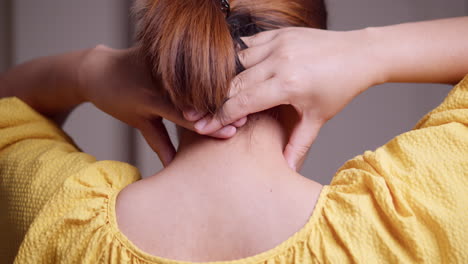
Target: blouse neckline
[{"x": 300, "y": 236}]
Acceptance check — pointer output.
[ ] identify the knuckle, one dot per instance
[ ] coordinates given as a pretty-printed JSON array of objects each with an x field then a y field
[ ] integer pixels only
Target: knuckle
[
  {"x": 301, "y": 150},
  {"x": 242, "y": 56},
  {"x": 290, "y": 84},
  {"x": 243, "y": 100},
  {"x": 237, "y": 83},
  {"x": 257, "y": 37},
  {"x": 233, "y": 109},
  {"x": 200, "y": 132},
  {"x": 224, "y": 119},
  {"x": 285, "y": 55}
]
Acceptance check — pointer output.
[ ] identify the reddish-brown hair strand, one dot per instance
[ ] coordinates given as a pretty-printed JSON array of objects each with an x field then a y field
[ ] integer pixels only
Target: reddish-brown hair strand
[{"x": 192, "y": 48}]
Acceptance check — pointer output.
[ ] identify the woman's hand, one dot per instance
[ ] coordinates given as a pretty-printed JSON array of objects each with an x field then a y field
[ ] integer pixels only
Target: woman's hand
[
  {"x": 317, "y": 72},
  {"x": 119, "y": 83}
]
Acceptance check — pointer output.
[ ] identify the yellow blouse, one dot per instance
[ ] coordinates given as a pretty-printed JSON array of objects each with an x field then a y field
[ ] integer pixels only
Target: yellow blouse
[{"x": 404, "y": 202}]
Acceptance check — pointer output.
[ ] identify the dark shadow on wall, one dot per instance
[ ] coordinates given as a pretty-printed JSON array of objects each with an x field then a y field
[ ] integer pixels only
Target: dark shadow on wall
[{"x": 6, "y": 37}]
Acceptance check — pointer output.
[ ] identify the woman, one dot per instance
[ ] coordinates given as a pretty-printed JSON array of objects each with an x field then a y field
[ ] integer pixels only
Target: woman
[{"x": 232, "y": 199}]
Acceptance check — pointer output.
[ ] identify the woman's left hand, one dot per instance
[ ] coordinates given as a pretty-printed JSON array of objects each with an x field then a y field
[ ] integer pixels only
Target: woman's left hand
[
  {"x": 317, "y": 72},
  {"x": 119, "y": 83}
]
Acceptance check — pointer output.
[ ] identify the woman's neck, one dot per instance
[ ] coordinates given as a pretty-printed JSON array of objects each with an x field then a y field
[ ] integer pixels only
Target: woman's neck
[
  {"x": 257, "y": 150},
  {"x": 241, "y": 189}
]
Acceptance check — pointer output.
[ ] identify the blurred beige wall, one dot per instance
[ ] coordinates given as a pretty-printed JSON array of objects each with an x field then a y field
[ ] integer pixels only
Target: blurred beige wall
[{"x": 47, "y": 27}]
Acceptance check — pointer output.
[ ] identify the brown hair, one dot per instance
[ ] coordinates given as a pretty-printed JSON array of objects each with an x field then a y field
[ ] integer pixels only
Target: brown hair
[{"x": 192, "y": 46}]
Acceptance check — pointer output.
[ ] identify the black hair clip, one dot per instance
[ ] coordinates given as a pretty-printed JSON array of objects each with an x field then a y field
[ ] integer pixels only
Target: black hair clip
[{"x": 226, "y": 7}]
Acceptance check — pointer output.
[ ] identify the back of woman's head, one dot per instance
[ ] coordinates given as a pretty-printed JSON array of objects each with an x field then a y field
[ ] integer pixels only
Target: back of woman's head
[{"x": 192, "y": 45}]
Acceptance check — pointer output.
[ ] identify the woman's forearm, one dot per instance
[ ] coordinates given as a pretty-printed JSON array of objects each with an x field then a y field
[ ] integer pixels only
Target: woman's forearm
[
  {"x": 426, "y": 52},
  {"x": 50, "y": 85}
]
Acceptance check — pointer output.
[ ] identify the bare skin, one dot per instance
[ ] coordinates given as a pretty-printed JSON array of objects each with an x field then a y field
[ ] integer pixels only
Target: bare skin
[
  {"x": 257, "y": 182},
  {"x": 240, "y": 200},
  {"x": 115, "y": 81},
  {"x": 243, "y": 187},
  {"x": 319, "y": 72}
]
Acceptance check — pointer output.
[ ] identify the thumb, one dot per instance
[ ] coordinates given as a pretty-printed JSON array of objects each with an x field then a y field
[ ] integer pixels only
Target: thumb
[
  {"x": 156, "y": 135},
  {"x": 302, "y": 137}
]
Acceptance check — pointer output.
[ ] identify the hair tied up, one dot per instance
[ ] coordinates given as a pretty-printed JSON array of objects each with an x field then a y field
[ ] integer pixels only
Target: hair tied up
[{"x": 192, "y": 45}]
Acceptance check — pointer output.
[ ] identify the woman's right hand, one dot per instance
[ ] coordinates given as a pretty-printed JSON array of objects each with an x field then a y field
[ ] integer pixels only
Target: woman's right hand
[{"x": 317, "y": 72}]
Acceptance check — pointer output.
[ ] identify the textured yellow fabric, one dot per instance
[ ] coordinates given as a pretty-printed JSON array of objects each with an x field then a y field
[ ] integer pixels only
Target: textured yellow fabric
[{"x": 406, "y": 202}]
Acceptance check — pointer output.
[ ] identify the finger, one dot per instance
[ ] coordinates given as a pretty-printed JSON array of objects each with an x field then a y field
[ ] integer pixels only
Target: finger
[
  {"x": 192, "y": 115},
  {"x": 266, "y": 95},
  {"x": 301, "y": 140},
  {"x": 251, "y": 77},
  {"x": 253, "y": 56},
  {"x": 240, "y": 123},
  {"x": 155, "y": 133},
  {"x": 224, "y": 133},
  {"x": 260, "y": 38},
  {"x": 169, "y": 112}
]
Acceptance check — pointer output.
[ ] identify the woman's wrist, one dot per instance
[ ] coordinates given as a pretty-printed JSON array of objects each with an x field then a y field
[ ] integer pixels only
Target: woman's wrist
[
  {"x": 421, "y": 52},
  {"x": 375, "y": 55},
  {"x": 366, "y": 60}
]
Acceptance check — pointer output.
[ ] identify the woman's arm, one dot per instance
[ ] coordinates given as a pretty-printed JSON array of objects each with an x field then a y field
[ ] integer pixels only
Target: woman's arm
[
  {"x": 425, "y": 52},
  {"x": 117, "y": 82},
  {"x": 319, "y": 72},
  {"x": 49, "y": 84}
]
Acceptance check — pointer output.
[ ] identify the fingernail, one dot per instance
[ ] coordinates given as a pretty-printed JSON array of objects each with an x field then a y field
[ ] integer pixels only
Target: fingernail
[
  {"x": 231, "y": 131},
  {"x": 227, "y": 132},
  {"x": 201, "y": 124}
]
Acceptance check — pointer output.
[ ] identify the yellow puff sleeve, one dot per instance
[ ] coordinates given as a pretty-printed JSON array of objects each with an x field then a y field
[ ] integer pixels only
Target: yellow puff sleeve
[
  {"x": 37, "y": 159},
  {"x": 407, "y": 201}
]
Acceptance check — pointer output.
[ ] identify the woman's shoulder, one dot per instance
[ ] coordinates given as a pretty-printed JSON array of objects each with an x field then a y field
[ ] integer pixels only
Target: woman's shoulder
[
  {"x": 435, "y": 151},
  {"x": 454, "y": 108},
  {"x": 75, "y": 223},
  {"x": 378, "y": 209},
  {"x": 405, "y": 201}
]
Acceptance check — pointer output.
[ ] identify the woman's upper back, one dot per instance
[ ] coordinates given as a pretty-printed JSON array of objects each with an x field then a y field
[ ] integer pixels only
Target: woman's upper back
[
  {"x": 404, "y": 202},
  {"x": 203, "y": 222}
]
